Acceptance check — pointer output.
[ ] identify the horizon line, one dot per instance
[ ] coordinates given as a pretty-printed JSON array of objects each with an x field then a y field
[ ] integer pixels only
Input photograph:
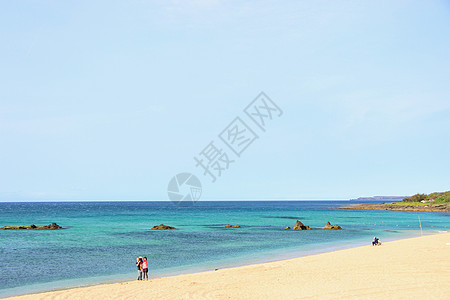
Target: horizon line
[{"x": 147, "y": 200}]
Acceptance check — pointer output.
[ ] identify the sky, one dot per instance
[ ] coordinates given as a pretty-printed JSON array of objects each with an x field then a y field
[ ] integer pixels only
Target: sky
[{"x": 108, "y": 100}]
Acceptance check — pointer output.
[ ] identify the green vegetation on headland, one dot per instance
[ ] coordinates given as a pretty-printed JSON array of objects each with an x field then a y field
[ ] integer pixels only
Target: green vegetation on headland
[
  {"x": 434, "y": 202},
  {"x": 424, "y": 199},
  {"x": 52, "y": 226}
]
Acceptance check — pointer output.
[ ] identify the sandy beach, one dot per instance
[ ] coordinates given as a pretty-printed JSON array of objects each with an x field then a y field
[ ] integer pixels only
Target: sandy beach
[{"x": 417, "y": 267}]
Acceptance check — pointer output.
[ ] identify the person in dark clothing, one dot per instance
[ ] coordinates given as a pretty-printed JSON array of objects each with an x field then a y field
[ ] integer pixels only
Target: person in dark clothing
[
  {"x": 375, "y": 241},
  {"x": 139, "y": 267}
]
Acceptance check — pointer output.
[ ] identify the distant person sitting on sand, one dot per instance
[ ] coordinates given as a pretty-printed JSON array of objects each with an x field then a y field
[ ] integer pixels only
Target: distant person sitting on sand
[
  {"x": 376, "y": 241},
  {"x": 139, "y": 267},
  {"x": 145, "y": 268}
]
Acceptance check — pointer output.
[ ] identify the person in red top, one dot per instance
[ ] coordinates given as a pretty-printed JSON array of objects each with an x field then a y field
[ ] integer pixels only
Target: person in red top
[{"x": 145, "y": 267}]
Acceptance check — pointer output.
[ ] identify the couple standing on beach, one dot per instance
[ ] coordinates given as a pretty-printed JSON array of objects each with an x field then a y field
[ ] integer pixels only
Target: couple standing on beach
[{"x": 142, "y": 266}]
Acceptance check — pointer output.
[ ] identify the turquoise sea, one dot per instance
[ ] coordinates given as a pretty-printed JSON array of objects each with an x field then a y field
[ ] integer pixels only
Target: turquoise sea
[{"x": 101, "y": 240}]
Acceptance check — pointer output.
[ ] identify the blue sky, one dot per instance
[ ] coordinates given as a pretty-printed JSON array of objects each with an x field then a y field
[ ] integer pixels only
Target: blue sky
[{"x": 107, "y": 100}]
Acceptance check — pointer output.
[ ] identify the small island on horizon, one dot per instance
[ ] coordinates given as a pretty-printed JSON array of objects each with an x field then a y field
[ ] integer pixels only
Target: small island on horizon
[
  {"x": 434, "y": 202},
  {"x": 380, "y": 198}
]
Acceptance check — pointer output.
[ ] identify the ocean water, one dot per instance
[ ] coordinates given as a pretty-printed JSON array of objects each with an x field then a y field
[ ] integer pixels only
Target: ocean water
[{"x": 101, "y": 240}]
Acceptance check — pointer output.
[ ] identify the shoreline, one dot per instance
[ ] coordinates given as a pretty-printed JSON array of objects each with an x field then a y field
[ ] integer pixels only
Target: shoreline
[
  {"x": 267, "y": 257},
  {"x": 189, "y": 249},
  {"x": 166, "y": 285},
  {"x": 443, "y": 208}
]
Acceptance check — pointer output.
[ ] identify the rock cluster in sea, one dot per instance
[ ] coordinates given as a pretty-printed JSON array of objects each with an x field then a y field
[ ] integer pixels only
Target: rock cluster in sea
[
  {"x": 299, "y": 226},
  {"x": 329, "y": 226},
  {"x": 162, "y": 227},
  {"x": 33, "y": 227}
]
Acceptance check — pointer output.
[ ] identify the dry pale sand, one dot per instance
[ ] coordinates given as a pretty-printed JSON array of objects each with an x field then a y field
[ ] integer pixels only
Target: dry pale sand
[{"x": 416, "y": 268}]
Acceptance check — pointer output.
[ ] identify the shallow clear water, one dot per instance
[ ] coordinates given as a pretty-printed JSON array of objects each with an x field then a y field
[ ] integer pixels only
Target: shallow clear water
[{"x": 101, "y": 240}]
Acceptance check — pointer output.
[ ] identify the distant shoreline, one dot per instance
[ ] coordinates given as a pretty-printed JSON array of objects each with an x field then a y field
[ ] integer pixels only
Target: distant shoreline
[
  {"x": 398, "y": 207},
  {"x": 380, "y": 198}
]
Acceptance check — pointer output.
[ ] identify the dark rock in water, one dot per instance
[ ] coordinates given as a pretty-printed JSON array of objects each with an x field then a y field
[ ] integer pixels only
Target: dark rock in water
[
  {"x": 33, "y": 227},
  {"x": 54, "y": 226},
  {"x": 329, "y": 226},
  {"x": 234, "y": 226},
  {"x": 287, "y": 227},
  {"x": 299, "y": 226},
  {"x": 162, "y": 227}
]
